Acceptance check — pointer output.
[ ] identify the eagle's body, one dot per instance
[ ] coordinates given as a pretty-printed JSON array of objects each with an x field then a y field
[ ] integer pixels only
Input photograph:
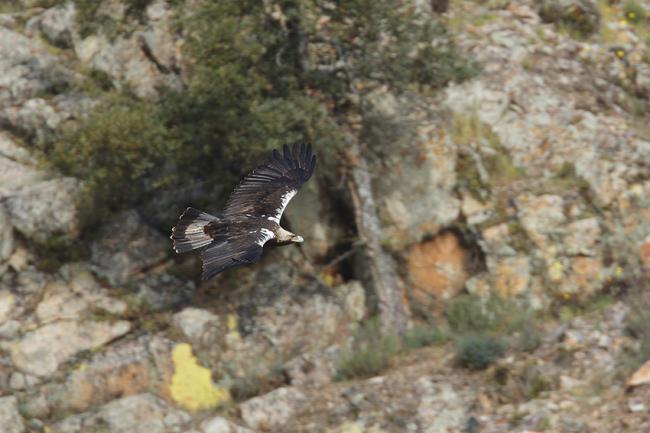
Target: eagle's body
[{"x": 251, "y": 218}]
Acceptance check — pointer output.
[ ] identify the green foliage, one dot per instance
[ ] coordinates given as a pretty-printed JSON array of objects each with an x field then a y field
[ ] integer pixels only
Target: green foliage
[
  {"x": 580, "y": 18},
  {"x": 482, "y": 329},
  {"x": 423, "y": 335},
  {"x": 469, "y": 132},
  {"x": 390, "y": 43},
  {"x": 370, "y": 353},
  {"x": 89, "y": 22},
  {"x": 372, "y": 350},
  {"x": 468, "y": 313},
  {"x": 478, "y": 351},
  {"x": 634, "y": 12},
  {"x": 121, "y": 150}
]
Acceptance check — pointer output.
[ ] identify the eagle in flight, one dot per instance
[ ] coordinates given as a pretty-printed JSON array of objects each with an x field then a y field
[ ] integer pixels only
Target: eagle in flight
[{"x": 252, "y": 215}]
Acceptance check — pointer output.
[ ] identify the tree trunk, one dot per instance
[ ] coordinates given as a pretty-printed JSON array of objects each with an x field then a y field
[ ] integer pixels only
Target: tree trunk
[{"x": 383, "y": 269}]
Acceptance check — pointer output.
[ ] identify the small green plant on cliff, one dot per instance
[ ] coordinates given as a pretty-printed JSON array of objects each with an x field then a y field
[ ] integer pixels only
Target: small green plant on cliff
[
  {"x": 579, "y": 18},
  {"x": 122, "y": 150},
  {"x": 372, "y": 350},
  {"x": 634, "y": 12},
  {"x": 483, "y": 329},
  {"x": 370, "y": 353},
  {"x": 478, "y": 351}
]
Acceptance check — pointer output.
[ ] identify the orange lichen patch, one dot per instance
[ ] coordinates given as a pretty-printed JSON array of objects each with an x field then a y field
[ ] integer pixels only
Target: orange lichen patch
[
  {"x": 92, "y": 386},
  {"x": 437, "y": 269}
]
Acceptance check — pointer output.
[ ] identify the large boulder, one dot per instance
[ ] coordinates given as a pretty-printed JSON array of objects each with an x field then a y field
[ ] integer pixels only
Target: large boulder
[
  {"x": 124, "y": 61},
  {"x": 40, "y": 352},
  {"x": 311, "y": 215},
  {"x": 57, "y": 24},
  {"x": 141, "y": 413},
  {"x": 27, "y": 69},
  {"x": 10, "y": 418},
  {"x": 414, "y": 166},
  {"x": 273, "y": 410},
  {"x": 46, "y": 209}
]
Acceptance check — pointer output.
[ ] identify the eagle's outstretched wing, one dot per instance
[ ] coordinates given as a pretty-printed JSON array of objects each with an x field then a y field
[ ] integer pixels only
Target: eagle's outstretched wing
[
  {"x": 266, "y": 191},
  {"x": 234, "y": 251}
]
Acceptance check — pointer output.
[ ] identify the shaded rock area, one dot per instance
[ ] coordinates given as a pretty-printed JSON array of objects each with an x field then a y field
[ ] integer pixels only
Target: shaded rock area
[
  {"x": 127, "y": 246},
  {"x": 528, "y": 184}
]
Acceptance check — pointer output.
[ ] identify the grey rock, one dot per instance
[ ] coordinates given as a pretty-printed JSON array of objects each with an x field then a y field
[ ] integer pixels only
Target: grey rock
[
  {"x": 417, "y": 166},
  {"x": 162, "y": 291},
  {"x": 122, "y": 368},
  {"x": 69, "y": 300},
  {"x": 10, "y": 149},
  {"x": 195, "y": 323},
  {"x": 541, "y": 216},
  {"x": 273, "y": 410},
  {"x": 60, "y": 303},
  {"x": 582, "y": 237},
  {"x": 222, "y": 425},
  {"x": 311, "y": 215},
  {"x": 38, "y": 118},
  {"x": 10, "y": 419},
  {"x": 141, "y": 413},
  {"x": 353, "y": 297},
  {"x": 40, "y": 352},
  {"x": 6, "y": 235},
  {"x": 57, "y": 24},
  {"x": 7, "y": 302},
  {"x": 126, "y": 246},
  {"x": 441, "y": 408},
  {"x": 15, "y": 175},
  {"x": 270, "y": 323},
  {"x": 26, "y": 68},
  {"x": 313, "y": 369},
  {"x": 127, "y": 63},
  {"x": 159, "y": 37},
  {"x": 46, "y": 209}
]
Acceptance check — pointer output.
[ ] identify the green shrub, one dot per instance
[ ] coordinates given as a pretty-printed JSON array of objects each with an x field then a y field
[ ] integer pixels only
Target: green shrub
[
  {"x": 468, "y": 313},
  {"x": 478, "y": 351},
  {"x": 423, "y": 335},
  {"x": 370, "y": 353},
  {"x": 634, "y": 12},
  {"x": 392, "y": 44},
  {"x": 122, "y": 150},
  {"x": 579, "y": 17}
]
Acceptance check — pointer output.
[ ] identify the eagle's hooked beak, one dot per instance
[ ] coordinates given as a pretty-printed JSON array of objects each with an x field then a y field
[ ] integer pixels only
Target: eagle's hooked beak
[{"x": 297, "y": 239}]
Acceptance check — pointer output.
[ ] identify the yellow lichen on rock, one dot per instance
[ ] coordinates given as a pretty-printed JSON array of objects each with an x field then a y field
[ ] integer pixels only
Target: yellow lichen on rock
[
  {"x": 233, "y": 335},
  {"x": 191, "y": 386}
]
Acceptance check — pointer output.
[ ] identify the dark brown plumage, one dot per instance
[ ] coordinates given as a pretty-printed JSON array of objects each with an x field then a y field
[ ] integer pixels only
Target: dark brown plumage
[{"x": 252, "y": 215}]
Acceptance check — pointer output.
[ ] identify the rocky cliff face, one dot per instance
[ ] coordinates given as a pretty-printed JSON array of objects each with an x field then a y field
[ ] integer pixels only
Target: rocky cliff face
[{"x": 529, "y": 183}]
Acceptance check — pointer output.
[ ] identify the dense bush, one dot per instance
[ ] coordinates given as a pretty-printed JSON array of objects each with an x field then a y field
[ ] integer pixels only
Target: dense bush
[
  {"x": 123, "y": 151},
  {"x": 478, "y": 351},
  {"x": 483, "y": 329}
]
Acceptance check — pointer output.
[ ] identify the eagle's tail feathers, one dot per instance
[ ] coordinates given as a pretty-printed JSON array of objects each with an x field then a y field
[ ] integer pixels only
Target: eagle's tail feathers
[{"x": 189, "y": 232}]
